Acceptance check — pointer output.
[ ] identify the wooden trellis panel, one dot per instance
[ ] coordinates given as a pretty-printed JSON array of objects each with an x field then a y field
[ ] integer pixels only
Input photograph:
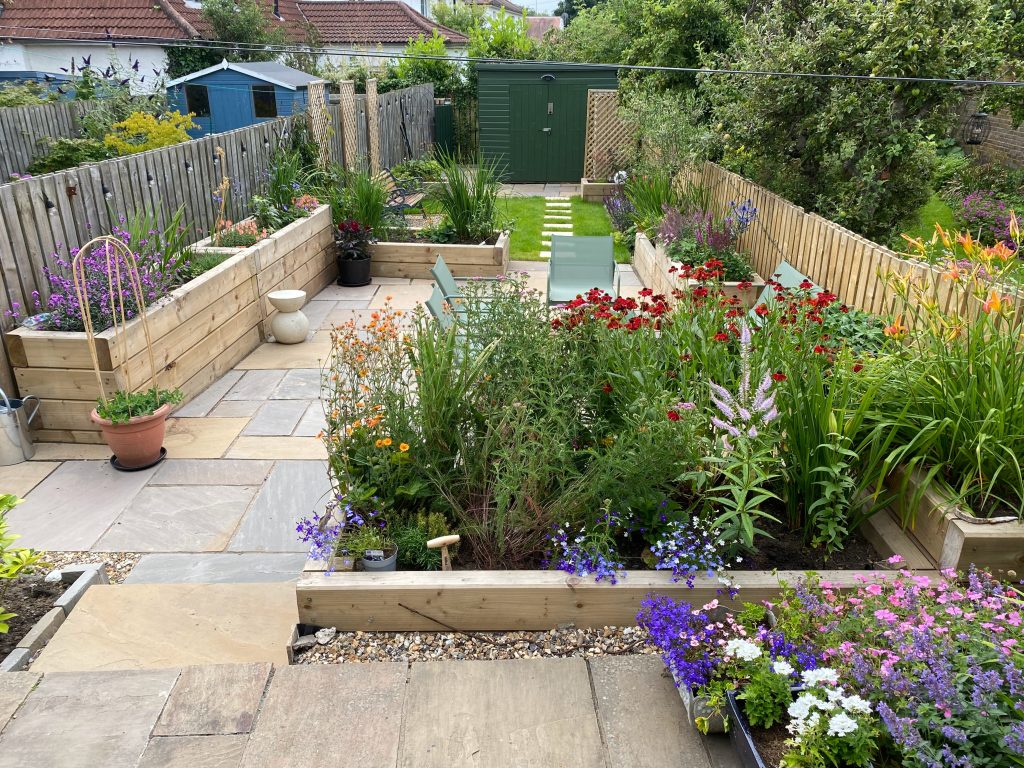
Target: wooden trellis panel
[
  {"x": 373, "y": 124},
  {"x": 349, "y": 123},
  {"x": 319, "y": 120},
  {"x": 607, "y": 135}
]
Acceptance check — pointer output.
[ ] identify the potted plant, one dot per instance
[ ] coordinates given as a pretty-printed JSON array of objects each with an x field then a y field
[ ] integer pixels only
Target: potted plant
[
  {"x": 353, "y": 242},
  {"x": 372, "y": 545},
  {"x": 133, "y": 425}
]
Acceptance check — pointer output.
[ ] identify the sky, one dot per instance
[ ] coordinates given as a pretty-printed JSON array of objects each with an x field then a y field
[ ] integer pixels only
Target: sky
[{"x": 543, "y": 7}]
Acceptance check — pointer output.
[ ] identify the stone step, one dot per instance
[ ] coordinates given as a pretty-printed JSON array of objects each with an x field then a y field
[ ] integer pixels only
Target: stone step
[
  {"x": 555, "y": 217},
  {"x": 556, "y": 198},
  {"x": 545, "y": 254},
  {"x": 558, "y": 225},
  {"x": 548, "y": 233}
]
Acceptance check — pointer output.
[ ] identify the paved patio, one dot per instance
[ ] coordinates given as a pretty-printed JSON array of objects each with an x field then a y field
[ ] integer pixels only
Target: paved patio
[
  {"x": 552, "y": 713},
  {"x": 244, "y": 463}
]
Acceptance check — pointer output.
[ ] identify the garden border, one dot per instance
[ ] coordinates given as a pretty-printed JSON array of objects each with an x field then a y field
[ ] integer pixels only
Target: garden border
[{"x": 81, "y": 577}]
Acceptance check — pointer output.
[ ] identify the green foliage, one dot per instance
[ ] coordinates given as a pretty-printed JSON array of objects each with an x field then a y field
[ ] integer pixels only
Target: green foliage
[
  {"x": 14, "y": 561},
  {"x": 114, "y": 105},
  {"x": 669, "y": 129},
  {"x": 412, "y": 539},
  {"x": 425, "y": 168},
  {"x": 123, "y": 406},
  {"x": 501, "y": 37},
  {"x": 245, "y": 23},
  {"x": 459, "y": 16},
  {"x": 357, "y": 540},
  {"x": 765, "y": 697},
  {"x": 357, "y": 195},
  {"x": 468, "y": 199},
  {"x": 201, "y": 264},
  {"x": 141, "y": 131},
  {"x": 598, "y": 33},
  {"x": 169, "y": 244},
  {"x": 650, "y": 194},
  {"x": 735, "y": 267},
  {"x": 25, "y": 94},
  {"x": 289, "y": 177},
  {"x": 59, "y": 154},
  {"x": 439, "y": 72}
]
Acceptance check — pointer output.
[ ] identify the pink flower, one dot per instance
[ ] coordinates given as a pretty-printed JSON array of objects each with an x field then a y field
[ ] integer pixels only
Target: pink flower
[
  {"x": 874, "y": 589},
  {"x": 884, "y": 614},
  {"x": 895, "y": 560}
]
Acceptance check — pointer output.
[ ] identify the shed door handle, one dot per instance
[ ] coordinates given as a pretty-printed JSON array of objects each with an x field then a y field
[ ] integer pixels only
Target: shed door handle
[{"x": 546, "y": 130}]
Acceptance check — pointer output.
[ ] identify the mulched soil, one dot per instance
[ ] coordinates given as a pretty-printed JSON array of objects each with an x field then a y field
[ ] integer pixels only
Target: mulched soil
[
  {"x": 787, "y": 552},
  {"x": 771, "y": 743},
  {"x": 31, "y": 599}
]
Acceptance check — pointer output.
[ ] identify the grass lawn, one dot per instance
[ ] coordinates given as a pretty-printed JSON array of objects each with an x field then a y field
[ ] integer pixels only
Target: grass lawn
[
  {"x": 592, "y": 219},
  {"x": 935, "y": 211},
  {"x": 528, "y": 214}
]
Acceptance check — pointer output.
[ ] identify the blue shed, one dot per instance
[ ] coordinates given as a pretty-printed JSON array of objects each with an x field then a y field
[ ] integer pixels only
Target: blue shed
[{"x": 237, "y": 94}]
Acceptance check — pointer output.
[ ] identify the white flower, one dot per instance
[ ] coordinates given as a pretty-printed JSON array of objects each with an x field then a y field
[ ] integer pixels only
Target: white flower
[
  {"x": 781, "y": 667},
  {"x": 841, "y": 724},
  {"x": 742, "y": 649},
  {"x": 856, "y": 704},
  {"x": 819, "y": 676},
  {"x": 800, "y": 708}
]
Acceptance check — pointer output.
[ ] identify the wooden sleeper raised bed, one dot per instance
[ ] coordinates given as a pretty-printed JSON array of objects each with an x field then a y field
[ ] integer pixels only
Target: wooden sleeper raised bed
[
  {"x": 597, "y": 191},
  {"x": 395, "y": 259}
]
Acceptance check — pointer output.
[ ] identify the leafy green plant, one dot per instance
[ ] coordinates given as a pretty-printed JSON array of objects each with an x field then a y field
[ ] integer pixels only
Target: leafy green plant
[
  {"x": 468, "y": 199},
  {"x": 62, "y": 153},
  {"x": 363, "y": 197},
  {"x": 25, "y": 93},
  {"x": 361, "y": 538},
  {"x": 142, "y": 131},
  {"x": 765, "y": 697},
  {"x": 650, "y": 195},
  {"x": 168, "y": 244},
  {"x": 411, "y": 540},
  {"x": 14, "y": 561},
  {"x": 124, "y": 406},
  {"x": 425, "y": 168},
  {"x": 201, "y": 264}
]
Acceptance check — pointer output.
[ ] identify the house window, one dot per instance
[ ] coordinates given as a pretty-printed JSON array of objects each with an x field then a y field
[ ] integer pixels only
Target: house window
[
  {"x": 264, "y": 101},
  {"x": 197, "y": 100}
]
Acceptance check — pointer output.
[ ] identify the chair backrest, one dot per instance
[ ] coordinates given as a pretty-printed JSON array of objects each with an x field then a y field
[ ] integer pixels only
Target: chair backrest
[
  {"x": 788, "y": 277},
  {"x": 444, "y": 278},
  {"x": 583, "y": 261},
  {"x": 439, "y": 308}
]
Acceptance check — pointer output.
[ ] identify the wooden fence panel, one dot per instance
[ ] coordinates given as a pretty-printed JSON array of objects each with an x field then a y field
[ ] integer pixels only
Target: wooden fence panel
[{"x": 22, "y": 128}]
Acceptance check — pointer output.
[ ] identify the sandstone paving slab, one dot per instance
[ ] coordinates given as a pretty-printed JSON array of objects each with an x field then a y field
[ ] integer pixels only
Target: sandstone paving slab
[
  {"x": 272, "y": 447},
  {"x": 214, "y": 699},
  {"x": 276, "y": 417},
  {"x": 70, "y": 452},
  {"x": 204, "y": 402},
  {"x": 19, "y": 479},
  {"x": 313, "y": 421},
  {"x": 194, "y": 752},
  {"x": 536, "y": 713},
  {"x": 75, "y": 720},
  {"x": 392, "y": 281},
  {"x": 205, "y": 438},
  {"x": 330, "y": 715},
  {"x": 206, "y": 472},
  {"x": 402, "y": 296},
  {"x": 14, "y": 687},
  {"x": 338, "y": 292},
  {"x": 278, "y": 357},
  {"x": 292, "y": 491},
  {"x": 516, "y": 265},
  {"x": 236, "y": 408},
  {"x": 179, "y": 518},
  {"x": 150, "y": 626},
  {"x": 342, "y": 316},
  {"x": 315, "y": 311},
  {"x": 642, "y": 718},
  {"x": 217, "y": 568},
  {"x": 72, "y": 508},
  {"x": 256, "y": 385},
  {"x": 299, "y": 384}
]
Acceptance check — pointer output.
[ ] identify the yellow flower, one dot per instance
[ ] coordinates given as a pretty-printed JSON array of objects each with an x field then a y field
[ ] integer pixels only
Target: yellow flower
[
  {"x": 379, "y": 443},
  {"x": 386, "y": 442},
  {"x": 403, "y": 447}
]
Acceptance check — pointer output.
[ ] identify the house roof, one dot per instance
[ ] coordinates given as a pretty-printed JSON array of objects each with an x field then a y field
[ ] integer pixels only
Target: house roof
[
  {"x": 267, "y": 71},
  {"x": 372, "y": 21},
  {"x": 288, "y": 16},
  {"x": 85, "y": 20},
  {"x": 538, "y": 26}
]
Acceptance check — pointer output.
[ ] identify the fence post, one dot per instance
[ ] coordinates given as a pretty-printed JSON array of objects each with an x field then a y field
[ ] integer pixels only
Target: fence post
[
  {"x": 349, "y": 129},
  {"x": 319, "y": 120},
  {"x": 373, "y": 124}
]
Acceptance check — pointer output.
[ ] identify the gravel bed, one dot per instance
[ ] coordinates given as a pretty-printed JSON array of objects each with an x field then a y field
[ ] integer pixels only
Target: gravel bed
[
  {"x": 119, "y": 564},
  {"x": 348, "y": 647}
]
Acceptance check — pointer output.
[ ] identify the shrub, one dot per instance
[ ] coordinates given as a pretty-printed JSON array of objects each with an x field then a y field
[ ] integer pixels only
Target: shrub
[
  {"x": 987, "y": 217},
  {"x": 59, "y": 154},
  {"x": 142, "y": 131},
  {"x": 14, "y": 561},
  {"x": 468, "y": 199},
  {"x": 123, "y": 406},
  {"x": 240, "y": 235},
  {"x": 25, "y": 93}
]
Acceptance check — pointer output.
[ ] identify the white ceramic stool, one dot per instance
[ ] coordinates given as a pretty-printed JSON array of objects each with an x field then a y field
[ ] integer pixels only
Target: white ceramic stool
[{"x": 289, "y": 325}]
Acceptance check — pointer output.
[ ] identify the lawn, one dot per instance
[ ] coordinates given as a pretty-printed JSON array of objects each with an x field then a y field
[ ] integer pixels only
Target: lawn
[
  {"x": 592, "y": 219},
  {"x": 935, "y": 211},
  {"x": 528, "y": 214}
]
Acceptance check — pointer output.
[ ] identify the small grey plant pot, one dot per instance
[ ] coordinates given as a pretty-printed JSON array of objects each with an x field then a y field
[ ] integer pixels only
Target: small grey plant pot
[
  {"x": 697, "y": 706},
  {"x": 389, "y": 563}
]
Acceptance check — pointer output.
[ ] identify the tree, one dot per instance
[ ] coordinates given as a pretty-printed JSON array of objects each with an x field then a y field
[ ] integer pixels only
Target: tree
[
  {"x": 459, "y": 16},
  {"x": 442, "y": 72},
  {"x": 572, "y": 8},
  {"x": 599, "y": 34},
  {"x": 243, "y": 24},
  {"x": 854, "y": 151}
]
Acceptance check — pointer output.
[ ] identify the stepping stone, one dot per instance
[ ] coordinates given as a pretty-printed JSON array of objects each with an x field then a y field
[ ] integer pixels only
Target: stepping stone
[
  {"x": 313, "y": 421},
  {"x": 87, "y": 719},
  {"x": 300, "y": 384},
  {"x": 203, "y": 403},
  {"x": 139, "y": 626},
  {"x": 332, "y": 714},
  {"x": 642, "y": 719},
  {"x": 292, "y": 491},
  {"x": 557, "y": 205},
  {"x": 550, "y": 217},
  {"x": 549, "y": 234},
  {"x": 74, "y": 506},
  {"x": 21, "y": 478},
  {"x": 310, "y": 354},
  {"x": 536, "y": 712},
  {"x": 276, "y": 417},
  {"x": 558, "y": 225},
  {"x": 194, "y": 752},
  {"x": 217, "y": 699},
  {"x": 557, "y": 198},
  {"x": 217, "y": 568},
  {"x": 544, "y": 255},
  {"x": 178, "y": 518}
]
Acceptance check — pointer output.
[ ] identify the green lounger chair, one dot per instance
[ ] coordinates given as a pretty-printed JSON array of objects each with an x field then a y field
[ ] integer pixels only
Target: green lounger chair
[
  {"x": 787, "y": 276},
  {"x": 440, "y": 309},
  {"x": 578, "y": 264},
  {"x": 445, "y": 280}
]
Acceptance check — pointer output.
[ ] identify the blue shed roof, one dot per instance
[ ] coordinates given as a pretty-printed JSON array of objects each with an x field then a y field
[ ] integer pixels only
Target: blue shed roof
[{"x": 268, "y": 71}]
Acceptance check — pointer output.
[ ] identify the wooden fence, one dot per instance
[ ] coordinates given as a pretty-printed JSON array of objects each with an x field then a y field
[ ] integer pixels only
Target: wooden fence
[
  {"x": 51, "y": 214},
  {"x": 22, "y": 128}
]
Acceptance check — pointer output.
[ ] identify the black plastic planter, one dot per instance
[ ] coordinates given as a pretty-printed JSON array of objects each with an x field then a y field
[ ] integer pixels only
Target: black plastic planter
[
  {"x": 740, "y": 736},
  {"x": 353, "y": 273}
]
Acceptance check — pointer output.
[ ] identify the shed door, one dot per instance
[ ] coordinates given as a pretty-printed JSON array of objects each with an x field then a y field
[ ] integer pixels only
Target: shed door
[{"x": 548, "y": 122}]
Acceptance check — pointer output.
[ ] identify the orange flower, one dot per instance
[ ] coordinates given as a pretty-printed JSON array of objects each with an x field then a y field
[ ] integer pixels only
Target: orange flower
[
  {"x": 1000, "y": 251},
  {"x": 403, "y": 447},
  {"x": 1014, "y": 225},
  {"x": 953, "y": 273},
  {"x": 967, "y": 242},
  {"x": 996, "y": 303},
  {"x": 386, "y": 442},
  {"x": 897, "y": 330},
  {"x": 379, "y": 443}
]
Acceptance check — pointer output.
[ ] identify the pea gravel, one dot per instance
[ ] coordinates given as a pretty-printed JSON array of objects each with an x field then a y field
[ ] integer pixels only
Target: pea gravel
[
  {"x": 349, "y": 647},
  {"x": 119, "y": 564}
]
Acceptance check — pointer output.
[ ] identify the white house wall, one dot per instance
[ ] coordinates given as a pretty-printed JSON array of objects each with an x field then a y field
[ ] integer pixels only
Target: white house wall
[
  {"x": 50, "y": 57},
  {"x": 376, "y": 55}
]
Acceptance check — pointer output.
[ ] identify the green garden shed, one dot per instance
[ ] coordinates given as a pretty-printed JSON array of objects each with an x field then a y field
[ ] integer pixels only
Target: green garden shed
[{"x": 533, "y": 118}]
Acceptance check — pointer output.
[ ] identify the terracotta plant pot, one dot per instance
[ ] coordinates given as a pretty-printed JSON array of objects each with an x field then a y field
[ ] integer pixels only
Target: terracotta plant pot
[{"x": 136, "y": 444}]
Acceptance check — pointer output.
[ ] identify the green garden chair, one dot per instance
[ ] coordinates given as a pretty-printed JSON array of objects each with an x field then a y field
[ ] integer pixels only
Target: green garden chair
[
  {"x": 444, "y": 279},
  {"x": 579, "y": 263},
  {"x": 438, "y": 306}
]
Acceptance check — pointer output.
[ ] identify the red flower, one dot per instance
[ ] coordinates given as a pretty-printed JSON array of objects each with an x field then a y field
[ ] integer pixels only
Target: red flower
[
  {"x": 806, "y": 285},
  {"x": 720, "y": 336},
  {"x": 819, "y": 350},
  {"x": 779, "y": 376},
  {"x": 857, "y": 367},
  {"x": 607, "y": 388},
  {"x": 744, "y": 284},
  {"x": 673, "y": 415},
  {"x": 761, "y": 310}
]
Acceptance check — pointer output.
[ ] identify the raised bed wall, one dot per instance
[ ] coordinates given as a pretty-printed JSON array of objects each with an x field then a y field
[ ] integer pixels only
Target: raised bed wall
[
  {"x": 199, "y": 332},
  {"x": 389, "y": 259}
]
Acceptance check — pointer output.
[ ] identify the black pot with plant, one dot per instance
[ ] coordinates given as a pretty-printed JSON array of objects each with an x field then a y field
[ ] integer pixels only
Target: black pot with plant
[{"x": 353, "y": 242}]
